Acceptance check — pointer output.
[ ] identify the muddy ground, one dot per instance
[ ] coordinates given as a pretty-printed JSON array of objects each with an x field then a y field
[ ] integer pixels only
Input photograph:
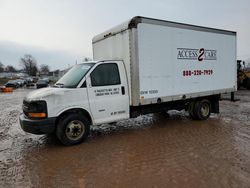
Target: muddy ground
[{"x": 149, "y": 151}]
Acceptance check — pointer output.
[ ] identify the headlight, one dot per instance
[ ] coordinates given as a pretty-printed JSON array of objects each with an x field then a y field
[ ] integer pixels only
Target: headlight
[{"x": 35, "y": 109}]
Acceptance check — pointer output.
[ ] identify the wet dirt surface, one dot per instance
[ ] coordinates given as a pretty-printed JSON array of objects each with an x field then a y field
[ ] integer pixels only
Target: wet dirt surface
[{"x": 149, "y": 151}]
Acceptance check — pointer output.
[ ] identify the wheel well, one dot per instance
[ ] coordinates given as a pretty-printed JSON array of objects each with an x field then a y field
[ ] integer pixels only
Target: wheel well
[{"x": 75, "y": 110}]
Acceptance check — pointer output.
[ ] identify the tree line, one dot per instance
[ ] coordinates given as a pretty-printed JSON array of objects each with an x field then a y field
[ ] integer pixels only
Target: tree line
[{"x": 28, "y": 64}]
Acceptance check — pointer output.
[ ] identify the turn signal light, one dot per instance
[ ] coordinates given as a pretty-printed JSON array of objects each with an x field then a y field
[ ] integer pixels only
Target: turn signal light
[{"x": 37, "y": 115}]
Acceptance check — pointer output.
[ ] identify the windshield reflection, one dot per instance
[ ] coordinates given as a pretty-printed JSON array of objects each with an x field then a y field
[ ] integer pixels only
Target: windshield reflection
[{"x": 73, "y": 77}]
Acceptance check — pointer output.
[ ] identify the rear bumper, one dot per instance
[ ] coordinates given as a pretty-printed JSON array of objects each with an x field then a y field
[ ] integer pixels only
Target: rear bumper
[{"x": 43, "y": 126}]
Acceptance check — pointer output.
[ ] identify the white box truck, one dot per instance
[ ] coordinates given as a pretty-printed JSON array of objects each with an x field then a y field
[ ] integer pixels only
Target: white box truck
[{"x": 141, "y": 66}]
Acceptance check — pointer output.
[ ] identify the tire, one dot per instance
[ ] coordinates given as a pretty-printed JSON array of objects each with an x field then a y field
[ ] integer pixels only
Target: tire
[
  {"x": 202, "y": 109},
  {"x": 72, "y": 129},
  {"x": 191, "y": 111}
]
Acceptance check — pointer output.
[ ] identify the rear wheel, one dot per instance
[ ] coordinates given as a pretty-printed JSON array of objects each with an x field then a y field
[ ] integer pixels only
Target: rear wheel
[
  {"x": 202, "y": 109},
  {"x": 72, "y": 129}
]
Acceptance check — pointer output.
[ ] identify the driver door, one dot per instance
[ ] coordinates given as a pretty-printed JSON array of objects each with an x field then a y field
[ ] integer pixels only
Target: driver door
[{"x": 108, "y": 93}]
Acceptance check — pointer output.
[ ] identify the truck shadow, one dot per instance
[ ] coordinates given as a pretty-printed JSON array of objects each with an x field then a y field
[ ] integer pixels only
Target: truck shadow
[{"x": 141, "y": 122}]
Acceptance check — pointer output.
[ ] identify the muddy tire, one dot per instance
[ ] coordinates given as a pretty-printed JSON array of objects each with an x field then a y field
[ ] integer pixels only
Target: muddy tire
[
  {"x": 202, "y": 109},
  {"x": 72, "y": 129},
  {"x": 191, "y": 111}
]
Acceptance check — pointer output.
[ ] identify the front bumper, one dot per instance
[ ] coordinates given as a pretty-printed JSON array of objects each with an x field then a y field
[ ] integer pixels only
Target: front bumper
[{"x": 41, "y": 126}]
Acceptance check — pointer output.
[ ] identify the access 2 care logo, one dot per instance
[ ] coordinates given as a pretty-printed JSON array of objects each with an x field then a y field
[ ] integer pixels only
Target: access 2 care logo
[{"x": 196, "y": 54}]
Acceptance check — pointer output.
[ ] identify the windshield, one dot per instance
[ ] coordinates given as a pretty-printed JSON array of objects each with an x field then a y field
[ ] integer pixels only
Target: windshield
[{"x": 72, "y": 78}]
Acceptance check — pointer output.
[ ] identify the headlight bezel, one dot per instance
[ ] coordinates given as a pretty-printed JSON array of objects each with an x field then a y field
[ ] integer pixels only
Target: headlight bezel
[{"x": 35, "y": 109}]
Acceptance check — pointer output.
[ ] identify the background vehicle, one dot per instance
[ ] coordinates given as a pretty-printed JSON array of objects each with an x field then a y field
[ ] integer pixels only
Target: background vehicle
[
  {"x": 142, "y": 66},
  {"x": 35, "y": 79},
  {"x": 29, "y": 81},
  {"x": 243, "y": 75},
  {"x": 12, "y": 83},
  {"x": 21, "y": 82},
  {"x": 42, "y": 83}
]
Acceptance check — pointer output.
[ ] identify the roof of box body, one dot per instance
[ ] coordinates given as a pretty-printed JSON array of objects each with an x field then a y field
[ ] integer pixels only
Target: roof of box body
[{"x": 132, "y": 23}]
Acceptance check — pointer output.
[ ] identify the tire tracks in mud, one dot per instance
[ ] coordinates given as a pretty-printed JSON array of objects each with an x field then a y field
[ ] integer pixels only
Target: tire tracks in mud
[{"x": 220, "y": 153}]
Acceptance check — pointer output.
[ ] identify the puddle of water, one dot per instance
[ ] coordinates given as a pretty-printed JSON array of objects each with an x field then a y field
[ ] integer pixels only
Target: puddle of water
[{"x": 148, "y": 151}]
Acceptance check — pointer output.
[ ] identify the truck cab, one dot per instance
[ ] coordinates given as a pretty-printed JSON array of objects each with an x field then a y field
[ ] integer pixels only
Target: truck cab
[{"x": 90, "y": 93}]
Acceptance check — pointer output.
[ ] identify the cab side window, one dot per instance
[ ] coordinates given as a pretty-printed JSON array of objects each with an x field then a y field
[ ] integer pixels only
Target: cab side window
[{"x": 105, "y": 75}]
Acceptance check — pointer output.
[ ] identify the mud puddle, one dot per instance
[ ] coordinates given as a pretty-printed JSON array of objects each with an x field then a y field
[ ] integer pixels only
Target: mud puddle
[{"x": 149, "y": 151}]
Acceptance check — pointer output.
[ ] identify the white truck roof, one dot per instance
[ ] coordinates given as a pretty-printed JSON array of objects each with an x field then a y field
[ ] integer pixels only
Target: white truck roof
[{"x": 132, "y": 23}]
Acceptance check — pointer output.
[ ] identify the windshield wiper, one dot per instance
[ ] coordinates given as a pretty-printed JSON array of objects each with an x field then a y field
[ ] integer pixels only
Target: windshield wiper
[{"x": 58, "y": 85}]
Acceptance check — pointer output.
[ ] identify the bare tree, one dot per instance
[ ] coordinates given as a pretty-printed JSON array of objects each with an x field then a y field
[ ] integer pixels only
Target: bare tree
[
  {"x": 29, "y": 64},
  {"x": 44, "y": 68},
  {"x": 10, "y": 68},
  {"x": 1, "y": 67}
]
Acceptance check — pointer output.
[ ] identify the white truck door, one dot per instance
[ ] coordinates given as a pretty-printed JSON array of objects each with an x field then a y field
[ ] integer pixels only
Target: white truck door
[{"x": 108, "y": 93}]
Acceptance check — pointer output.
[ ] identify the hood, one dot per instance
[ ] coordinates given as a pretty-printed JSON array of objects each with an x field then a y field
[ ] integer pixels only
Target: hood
[{"x": 41, "y": 94}]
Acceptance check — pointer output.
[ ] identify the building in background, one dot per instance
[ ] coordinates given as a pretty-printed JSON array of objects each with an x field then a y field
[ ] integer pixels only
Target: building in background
[{"x": 55, "y": 75}]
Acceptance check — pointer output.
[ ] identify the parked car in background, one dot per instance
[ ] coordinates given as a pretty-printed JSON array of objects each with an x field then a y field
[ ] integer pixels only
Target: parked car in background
[
  {"x": 12, "y": 83},
  {"x": 46, "y": 79},
  {"x": 42, "y": 83},
  {"x": 29, "y": 81},
  {"x": 21, "y": 82},
  {"x": 35, "y": 79}
]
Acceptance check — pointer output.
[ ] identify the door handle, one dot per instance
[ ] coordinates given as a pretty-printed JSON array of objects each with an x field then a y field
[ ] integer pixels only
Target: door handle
[{"x": 123, "y": 90}]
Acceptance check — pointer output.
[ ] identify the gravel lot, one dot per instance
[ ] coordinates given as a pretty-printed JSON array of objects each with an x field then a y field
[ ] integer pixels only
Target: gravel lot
[{"x": 149, "y": 151}]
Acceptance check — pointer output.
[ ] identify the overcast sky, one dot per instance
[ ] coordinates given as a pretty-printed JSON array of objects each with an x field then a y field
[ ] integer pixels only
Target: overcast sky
[{"x": 59, "y": 32}]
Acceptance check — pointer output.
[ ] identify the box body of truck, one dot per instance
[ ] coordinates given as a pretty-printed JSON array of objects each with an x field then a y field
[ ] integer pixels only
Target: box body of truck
[{"x": 168, "y": 61}]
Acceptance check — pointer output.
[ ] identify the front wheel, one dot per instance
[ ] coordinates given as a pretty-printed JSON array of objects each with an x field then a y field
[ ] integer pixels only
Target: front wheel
[{"x": 72, "y": 129}]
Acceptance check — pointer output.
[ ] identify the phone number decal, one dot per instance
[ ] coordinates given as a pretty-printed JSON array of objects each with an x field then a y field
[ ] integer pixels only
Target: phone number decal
[{"x": 197, "y": 72}]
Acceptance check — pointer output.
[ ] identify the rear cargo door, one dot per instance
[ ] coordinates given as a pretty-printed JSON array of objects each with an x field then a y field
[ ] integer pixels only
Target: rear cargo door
[{"x": 108, "y": 93}]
